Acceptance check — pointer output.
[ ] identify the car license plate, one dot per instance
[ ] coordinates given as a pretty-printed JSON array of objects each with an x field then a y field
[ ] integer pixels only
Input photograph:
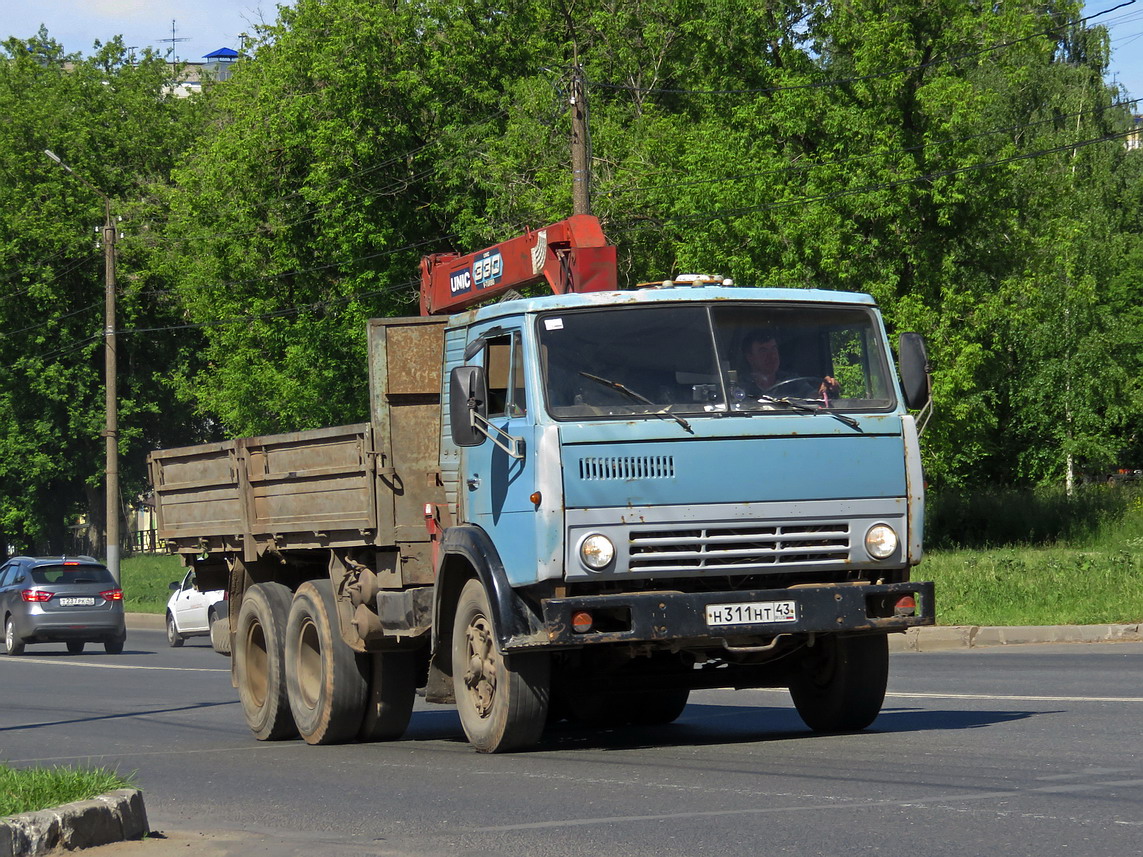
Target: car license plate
[
  {"x": 751, "y": 613},
  {"x": 77, "y": 602}
]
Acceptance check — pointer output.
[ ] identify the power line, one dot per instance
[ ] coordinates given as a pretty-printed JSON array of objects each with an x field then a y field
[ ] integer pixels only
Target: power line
[
  {"x": 809, "y": 165},
  {"x": 856, "y": 79},
  {"x": 718, "y": 215}
]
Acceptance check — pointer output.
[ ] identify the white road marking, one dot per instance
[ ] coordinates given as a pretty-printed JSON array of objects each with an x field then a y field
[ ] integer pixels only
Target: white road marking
[
  {"x": 1013, "y": 698},
  {"x": 761, "y": 810},
  {"x": 96, "y": 665},
  {"x": 988, "y": 696}
]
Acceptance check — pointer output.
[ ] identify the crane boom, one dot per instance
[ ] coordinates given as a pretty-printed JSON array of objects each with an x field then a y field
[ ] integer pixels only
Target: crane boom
[{"x": 572, "y": 256}]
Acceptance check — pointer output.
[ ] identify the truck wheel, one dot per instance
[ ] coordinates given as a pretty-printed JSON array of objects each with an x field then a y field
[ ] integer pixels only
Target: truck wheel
[
  {"x": 259, "y": 661},
  {"x": 174, "y": 638},
  {"x": 325, "y": 685},
  {"x": 657, "y": 708},
  {"x": 392, "y": 690},
  {"x": 842, "y": 683},
  {"x": 502, "y": 700}
]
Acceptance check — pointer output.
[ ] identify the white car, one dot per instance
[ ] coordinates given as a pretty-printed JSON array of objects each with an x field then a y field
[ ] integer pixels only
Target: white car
[{"x": 190, "y": 613}]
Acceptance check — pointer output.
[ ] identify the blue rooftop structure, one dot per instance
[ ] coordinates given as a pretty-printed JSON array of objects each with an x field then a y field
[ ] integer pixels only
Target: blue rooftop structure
[{"x": 222, "y": 55}]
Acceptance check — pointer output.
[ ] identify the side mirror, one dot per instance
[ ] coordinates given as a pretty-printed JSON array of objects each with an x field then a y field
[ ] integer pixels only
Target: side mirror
[
  {"x": 174, "y": 587},
  {"x": 914, "y": 369},
  {"x": 467, "y": 394}
]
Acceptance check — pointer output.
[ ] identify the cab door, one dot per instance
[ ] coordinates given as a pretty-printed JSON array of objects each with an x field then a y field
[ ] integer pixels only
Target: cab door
[{"x": 499, "y": 484}]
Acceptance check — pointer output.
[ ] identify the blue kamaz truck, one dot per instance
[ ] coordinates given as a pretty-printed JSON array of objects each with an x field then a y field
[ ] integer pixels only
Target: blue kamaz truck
[{"x": 577, "y": 506}]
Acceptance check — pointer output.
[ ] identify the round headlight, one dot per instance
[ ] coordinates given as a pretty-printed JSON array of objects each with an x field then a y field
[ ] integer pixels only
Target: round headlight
[
  {"x": 597, "y": 551},
  {"x": 881, "y": 541}
]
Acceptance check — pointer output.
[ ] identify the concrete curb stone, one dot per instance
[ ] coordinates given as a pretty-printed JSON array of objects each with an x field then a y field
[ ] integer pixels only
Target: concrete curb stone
[
  {"x": 947, "y": 637},
  {"x": 112, "y": 817}
]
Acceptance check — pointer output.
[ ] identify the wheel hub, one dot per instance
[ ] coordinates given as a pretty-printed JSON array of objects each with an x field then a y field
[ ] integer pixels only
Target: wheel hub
[{"x": 480, "y": 671}]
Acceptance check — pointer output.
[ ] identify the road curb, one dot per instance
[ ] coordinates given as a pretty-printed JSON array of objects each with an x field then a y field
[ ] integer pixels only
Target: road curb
[
  {"x": 942, "y": 638},
  {"x": 146, "y": 621},
  {"x": 112, "y": 817}
]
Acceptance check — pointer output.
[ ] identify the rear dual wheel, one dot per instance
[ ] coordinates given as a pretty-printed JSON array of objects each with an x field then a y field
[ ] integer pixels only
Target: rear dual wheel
[
  {"x": 326, "y": 687},
  {"x": 259, "y": 661}
]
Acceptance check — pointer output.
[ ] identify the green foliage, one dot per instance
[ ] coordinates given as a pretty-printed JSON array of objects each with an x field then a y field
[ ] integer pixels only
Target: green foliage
[
  {"x": 989, "y": 518},
  {"x": 146, "y": 581},
  {"x": 32, "y": 789},
  {"x": 1038, "y": 558},
  {"x": 107, "y": 116}
]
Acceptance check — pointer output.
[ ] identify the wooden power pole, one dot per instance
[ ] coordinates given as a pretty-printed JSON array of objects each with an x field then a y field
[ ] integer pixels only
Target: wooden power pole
[{"x": 580, "y": 145}]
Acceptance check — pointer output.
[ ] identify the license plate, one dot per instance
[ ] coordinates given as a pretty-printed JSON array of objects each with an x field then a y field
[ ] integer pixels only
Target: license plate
[
  {"x": 751, "y": 613},
  {"x": 77, "y": 602}
]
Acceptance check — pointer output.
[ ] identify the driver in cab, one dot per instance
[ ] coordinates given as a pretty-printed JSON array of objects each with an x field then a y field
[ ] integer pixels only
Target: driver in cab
[{"x": 762, "y": 373}]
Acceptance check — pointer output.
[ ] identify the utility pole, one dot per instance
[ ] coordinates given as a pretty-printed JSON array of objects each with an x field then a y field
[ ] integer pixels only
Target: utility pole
[
  {"x": 580, "y": 144},
  {"x": 111, "y": 429}
]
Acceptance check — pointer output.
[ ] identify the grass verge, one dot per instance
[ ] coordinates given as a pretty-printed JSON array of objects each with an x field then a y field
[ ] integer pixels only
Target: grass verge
[
  {"x": 1092, "y": 576},
  {"x": 146, "y": 580},
  {"x": 31, "y": 789}
]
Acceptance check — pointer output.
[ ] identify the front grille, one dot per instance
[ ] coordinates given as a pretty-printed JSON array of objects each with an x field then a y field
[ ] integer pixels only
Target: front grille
[{"x": 738, "y": 550}]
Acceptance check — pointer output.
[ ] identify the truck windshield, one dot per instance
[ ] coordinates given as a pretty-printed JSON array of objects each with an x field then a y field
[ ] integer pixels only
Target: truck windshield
[{"x": 712, "y": 358}]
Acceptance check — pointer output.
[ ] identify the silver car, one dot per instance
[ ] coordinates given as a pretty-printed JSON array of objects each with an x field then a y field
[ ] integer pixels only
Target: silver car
[{"x": 72, "y": 600}]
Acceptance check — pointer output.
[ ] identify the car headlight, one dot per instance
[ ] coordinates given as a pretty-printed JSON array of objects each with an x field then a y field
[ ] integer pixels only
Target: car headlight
[
  {"x": 881, "y": 541},
  {"x": 597, "y": 551}
]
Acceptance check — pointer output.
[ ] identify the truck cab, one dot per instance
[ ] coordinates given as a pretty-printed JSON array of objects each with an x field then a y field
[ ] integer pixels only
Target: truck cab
[{"x": 644, "y": 507}]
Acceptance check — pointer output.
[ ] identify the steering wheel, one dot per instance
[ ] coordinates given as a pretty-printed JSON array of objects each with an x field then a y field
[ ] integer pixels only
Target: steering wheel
[{"x": 813, "y": 382}]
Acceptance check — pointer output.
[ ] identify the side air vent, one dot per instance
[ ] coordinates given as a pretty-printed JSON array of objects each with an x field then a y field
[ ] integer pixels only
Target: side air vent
[{"x": 627, "y": 467}]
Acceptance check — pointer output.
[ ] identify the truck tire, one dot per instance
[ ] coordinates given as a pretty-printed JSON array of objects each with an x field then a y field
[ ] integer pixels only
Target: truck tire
[
  {"x": 259, "y": 661},
  {"x": 392, "y": 679},
  {"x": 502, "y": 700},
  {"x": 657, "y": 707},
  {"x": 842, "y": 682},
  {"x": 324, "y": 683}
]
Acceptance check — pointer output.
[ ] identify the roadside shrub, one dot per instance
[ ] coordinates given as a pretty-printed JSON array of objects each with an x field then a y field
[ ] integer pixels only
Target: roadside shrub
[{"x": 993, "y": 518}]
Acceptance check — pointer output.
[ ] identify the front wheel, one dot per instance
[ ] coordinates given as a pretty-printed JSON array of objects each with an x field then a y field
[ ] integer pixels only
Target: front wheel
[
  {"x": 174, "y": 638},
  {"x": 842, "y": 681},
  {"x": 13, "y": 645},
  {"x": 502, "y": 699}
]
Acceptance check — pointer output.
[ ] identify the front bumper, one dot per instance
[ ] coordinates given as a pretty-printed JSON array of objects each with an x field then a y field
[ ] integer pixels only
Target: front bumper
[{"x": 641, "y": 617}]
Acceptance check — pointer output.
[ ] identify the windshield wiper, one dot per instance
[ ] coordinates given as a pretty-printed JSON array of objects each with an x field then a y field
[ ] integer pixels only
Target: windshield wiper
[
  {"x": 627, "y": 391},
  {"x": 812, "y": 409}
]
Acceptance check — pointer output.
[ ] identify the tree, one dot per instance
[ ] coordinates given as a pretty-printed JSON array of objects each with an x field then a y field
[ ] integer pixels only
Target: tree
[{"x": 109, "y": 118}]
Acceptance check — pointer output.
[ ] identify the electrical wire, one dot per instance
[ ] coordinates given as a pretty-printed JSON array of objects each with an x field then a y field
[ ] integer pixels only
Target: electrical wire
[
  {"x": 858, "y": 78},
  {"x": 809, "y": 165},
  {"x": 719, "y": 215}
]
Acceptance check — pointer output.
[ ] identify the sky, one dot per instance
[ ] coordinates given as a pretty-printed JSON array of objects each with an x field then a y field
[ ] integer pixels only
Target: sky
[{"x": 203, "y": 26}]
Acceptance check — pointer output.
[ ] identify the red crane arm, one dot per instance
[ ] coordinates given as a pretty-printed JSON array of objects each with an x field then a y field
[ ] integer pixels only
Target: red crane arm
[{"x": 572, "y": 256}]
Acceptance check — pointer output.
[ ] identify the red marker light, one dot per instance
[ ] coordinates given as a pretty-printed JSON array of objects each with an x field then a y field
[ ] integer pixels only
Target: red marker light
[
  {"x": 36, "y": 595},
  {"x": 581, "y": 621},
  {"x": 112, "y": 595},
  {"x": 906, "y": 606}
]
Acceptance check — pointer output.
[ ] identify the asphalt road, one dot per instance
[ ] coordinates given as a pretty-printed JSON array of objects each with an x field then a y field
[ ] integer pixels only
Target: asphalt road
[{"x": 1029, "y": 750}]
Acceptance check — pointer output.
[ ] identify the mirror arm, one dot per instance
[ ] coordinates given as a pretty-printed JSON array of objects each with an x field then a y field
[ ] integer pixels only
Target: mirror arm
[{"x": 514, "y": 446}]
